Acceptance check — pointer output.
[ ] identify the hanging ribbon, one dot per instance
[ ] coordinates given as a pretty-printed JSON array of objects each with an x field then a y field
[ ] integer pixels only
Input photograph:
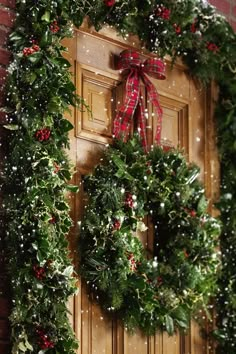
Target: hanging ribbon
[{"x": 130, "y": 60}]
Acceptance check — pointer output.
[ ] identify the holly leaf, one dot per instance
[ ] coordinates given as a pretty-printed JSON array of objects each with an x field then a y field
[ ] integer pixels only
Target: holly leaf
[
  {"x": 68, "y": 271},
  {"x": 64, "y": 62},
  {"x": 65, "y": 173},
  {"x": 66, "y": 125},
  {"x": 31, "y": 78},
  {"x": 46, "y": 17},
  {"x": 202, "y": 205},
  {"x": 46, "y": 39},
  {"x": 39, "y": 256},
  {"x": 169, "y": 323},
  {"x": 62, "y": 206},
  {"x": 28, "y": 345},
  {"x": 14, "y": 36},
  {"x": 54, "y": 105},
  {"x": 181, "y": 317},
  {"x": 35, "y": 57},
  {"x": 22, "y": 347},
  {"x": 119, "y": 163},
  {"x": 72, "y": 188},
  {"x": 122, "y": 168},
  {"x": 11, "y": 126}
]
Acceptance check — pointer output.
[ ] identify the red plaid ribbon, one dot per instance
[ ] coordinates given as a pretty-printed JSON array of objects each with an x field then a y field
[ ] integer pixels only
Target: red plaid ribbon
[{"x": 130, "y": 60}]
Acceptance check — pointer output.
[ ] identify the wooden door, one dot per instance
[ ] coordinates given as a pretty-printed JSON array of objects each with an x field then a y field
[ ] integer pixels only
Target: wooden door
[{"x": 187, "y": 122}]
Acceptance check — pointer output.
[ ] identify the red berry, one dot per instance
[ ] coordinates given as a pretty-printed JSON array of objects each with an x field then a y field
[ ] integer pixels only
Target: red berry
[
  {"x": 163, "y": 12},
  {"x": 43, "y": 134},
  {"x": 116, "y": 225},
  {"x": 177, "y": 28},
  {"x": 109, "y": 2},
  {"x": 192, "y": 213},
  {"x": 36, "y": 48},
  {"x": 193, "y": 27},
  {"x": 54, "y": 28},
  {"x": 212, "y": 47},
  {"x": 129, "y": 200}
]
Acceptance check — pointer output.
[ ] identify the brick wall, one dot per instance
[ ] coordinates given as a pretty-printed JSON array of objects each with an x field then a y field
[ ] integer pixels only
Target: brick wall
[{"x": 226, "y": 7}]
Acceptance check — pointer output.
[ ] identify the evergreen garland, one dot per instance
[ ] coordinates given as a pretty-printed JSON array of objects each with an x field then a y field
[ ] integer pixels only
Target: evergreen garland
[
  {"x": 37, "y": 169},
  {"x": 226, "y": 303},
  {"x": 145, "y": 292},
  {"x": 36, "y": 178}
]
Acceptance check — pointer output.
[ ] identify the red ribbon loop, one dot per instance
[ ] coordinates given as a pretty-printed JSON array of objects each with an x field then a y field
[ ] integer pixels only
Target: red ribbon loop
[{"x": 130, "y": 60}]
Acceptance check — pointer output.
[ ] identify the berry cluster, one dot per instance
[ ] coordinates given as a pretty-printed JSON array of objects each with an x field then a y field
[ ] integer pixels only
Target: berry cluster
[
  {"x": 177, "y": 28},
  {"x": 39, "y": 272},
  {"x": 109, "y": 2},
  {"x": 53, "y": 220},
  {"x": 163, "y": 12},
  {"x": 54, "y": 28},
  {"x": 30, "y": 50},
  {"x": 212, "y": 47},
  {"x": 56, "y": 168},
  {"x": 129, "y": 200},
  {"x": 44, "y": 342},
  {"x": 133, "y": 265},
  {"x": 43, "y": 134},
  {"x": 116, "y": 225}
]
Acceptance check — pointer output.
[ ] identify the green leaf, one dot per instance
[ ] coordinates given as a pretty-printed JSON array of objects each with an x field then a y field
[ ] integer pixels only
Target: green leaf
[
  {"x": 181, "y": 317},
  {"x": 65, "y": 173},
  {"x": 14, "y": 36},
  {"x": 64, "y": 62},
  {"x": 11, "y": 126},
  {"x": 66, "y": 125},
  {"x": 68, "y": 271},
  {"x": 39, "y": 256},
  {"x": 62, "y": 206},
  {"x": 31, "y": 78},
  {"x": 22, "y": 347},
  {"x": 119, "y": 163},
  {"x": 35, "y": 57},
  {"x": 202, "y": 205},
  {"x": 169, "y": 323},
  {"x": 28, "y": 345},
  {"x": 72, "y": 188},
  {"x": 45, "y": 40},
  {"x": 48, "y": 121},
  {"x": 46, "y": 17},
  {"x": 182, "y": 324},
  {"x": 54, "y": 105}
]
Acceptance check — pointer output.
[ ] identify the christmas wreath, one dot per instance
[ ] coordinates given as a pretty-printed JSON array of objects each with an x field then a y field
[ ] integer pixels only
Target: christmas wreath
[{"x": 155, "y": 287}]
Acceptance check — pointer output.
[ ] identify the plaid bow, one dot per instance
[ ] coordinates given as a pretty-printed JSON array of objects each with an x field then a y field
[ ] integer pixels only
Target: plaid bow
[{"x": 130, "y": 60}]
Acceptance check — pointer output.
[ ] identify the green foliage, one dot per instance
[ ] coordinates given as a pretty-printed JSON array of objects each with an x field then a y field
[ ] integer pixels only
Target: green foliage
[
  {"x": 35, "y": 180},
  {"x": 226, "y": 305},
  {"x": 184, "y": 31},
  {"x": 40, "y": 90},
  {"x": 163, "y": 291}
]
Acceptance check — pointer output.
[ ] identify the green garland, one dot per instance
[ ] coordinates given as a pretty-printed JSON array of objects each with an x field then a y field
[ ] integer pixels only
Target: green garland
[
  {"x": 36, "y": 181},
  {"x": 37, "y": 169},
  {"x": 145, "y": 292}
]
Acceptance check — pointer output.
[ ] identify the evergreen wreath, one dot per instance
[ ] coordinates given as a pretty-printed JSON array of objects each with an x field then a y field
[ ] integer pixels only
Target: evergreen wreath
[
  {"x": 37, "y": 171},
  {"x": 149, "y": 292}
]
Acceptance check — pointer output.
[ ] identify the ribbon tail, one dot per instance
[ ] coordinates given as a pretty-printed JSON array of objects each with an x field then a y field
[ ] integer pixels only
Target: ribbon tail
[
  {"x": 142, "y": 123},
  {"x": 154, "y": 98},
  {"x": 122, "y": 121}
]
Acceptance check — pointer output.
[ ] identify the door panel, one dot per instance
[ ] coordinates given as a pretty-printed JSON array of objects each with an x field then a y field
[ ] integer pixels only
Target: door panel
[{"x": 187, "y": 121}]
